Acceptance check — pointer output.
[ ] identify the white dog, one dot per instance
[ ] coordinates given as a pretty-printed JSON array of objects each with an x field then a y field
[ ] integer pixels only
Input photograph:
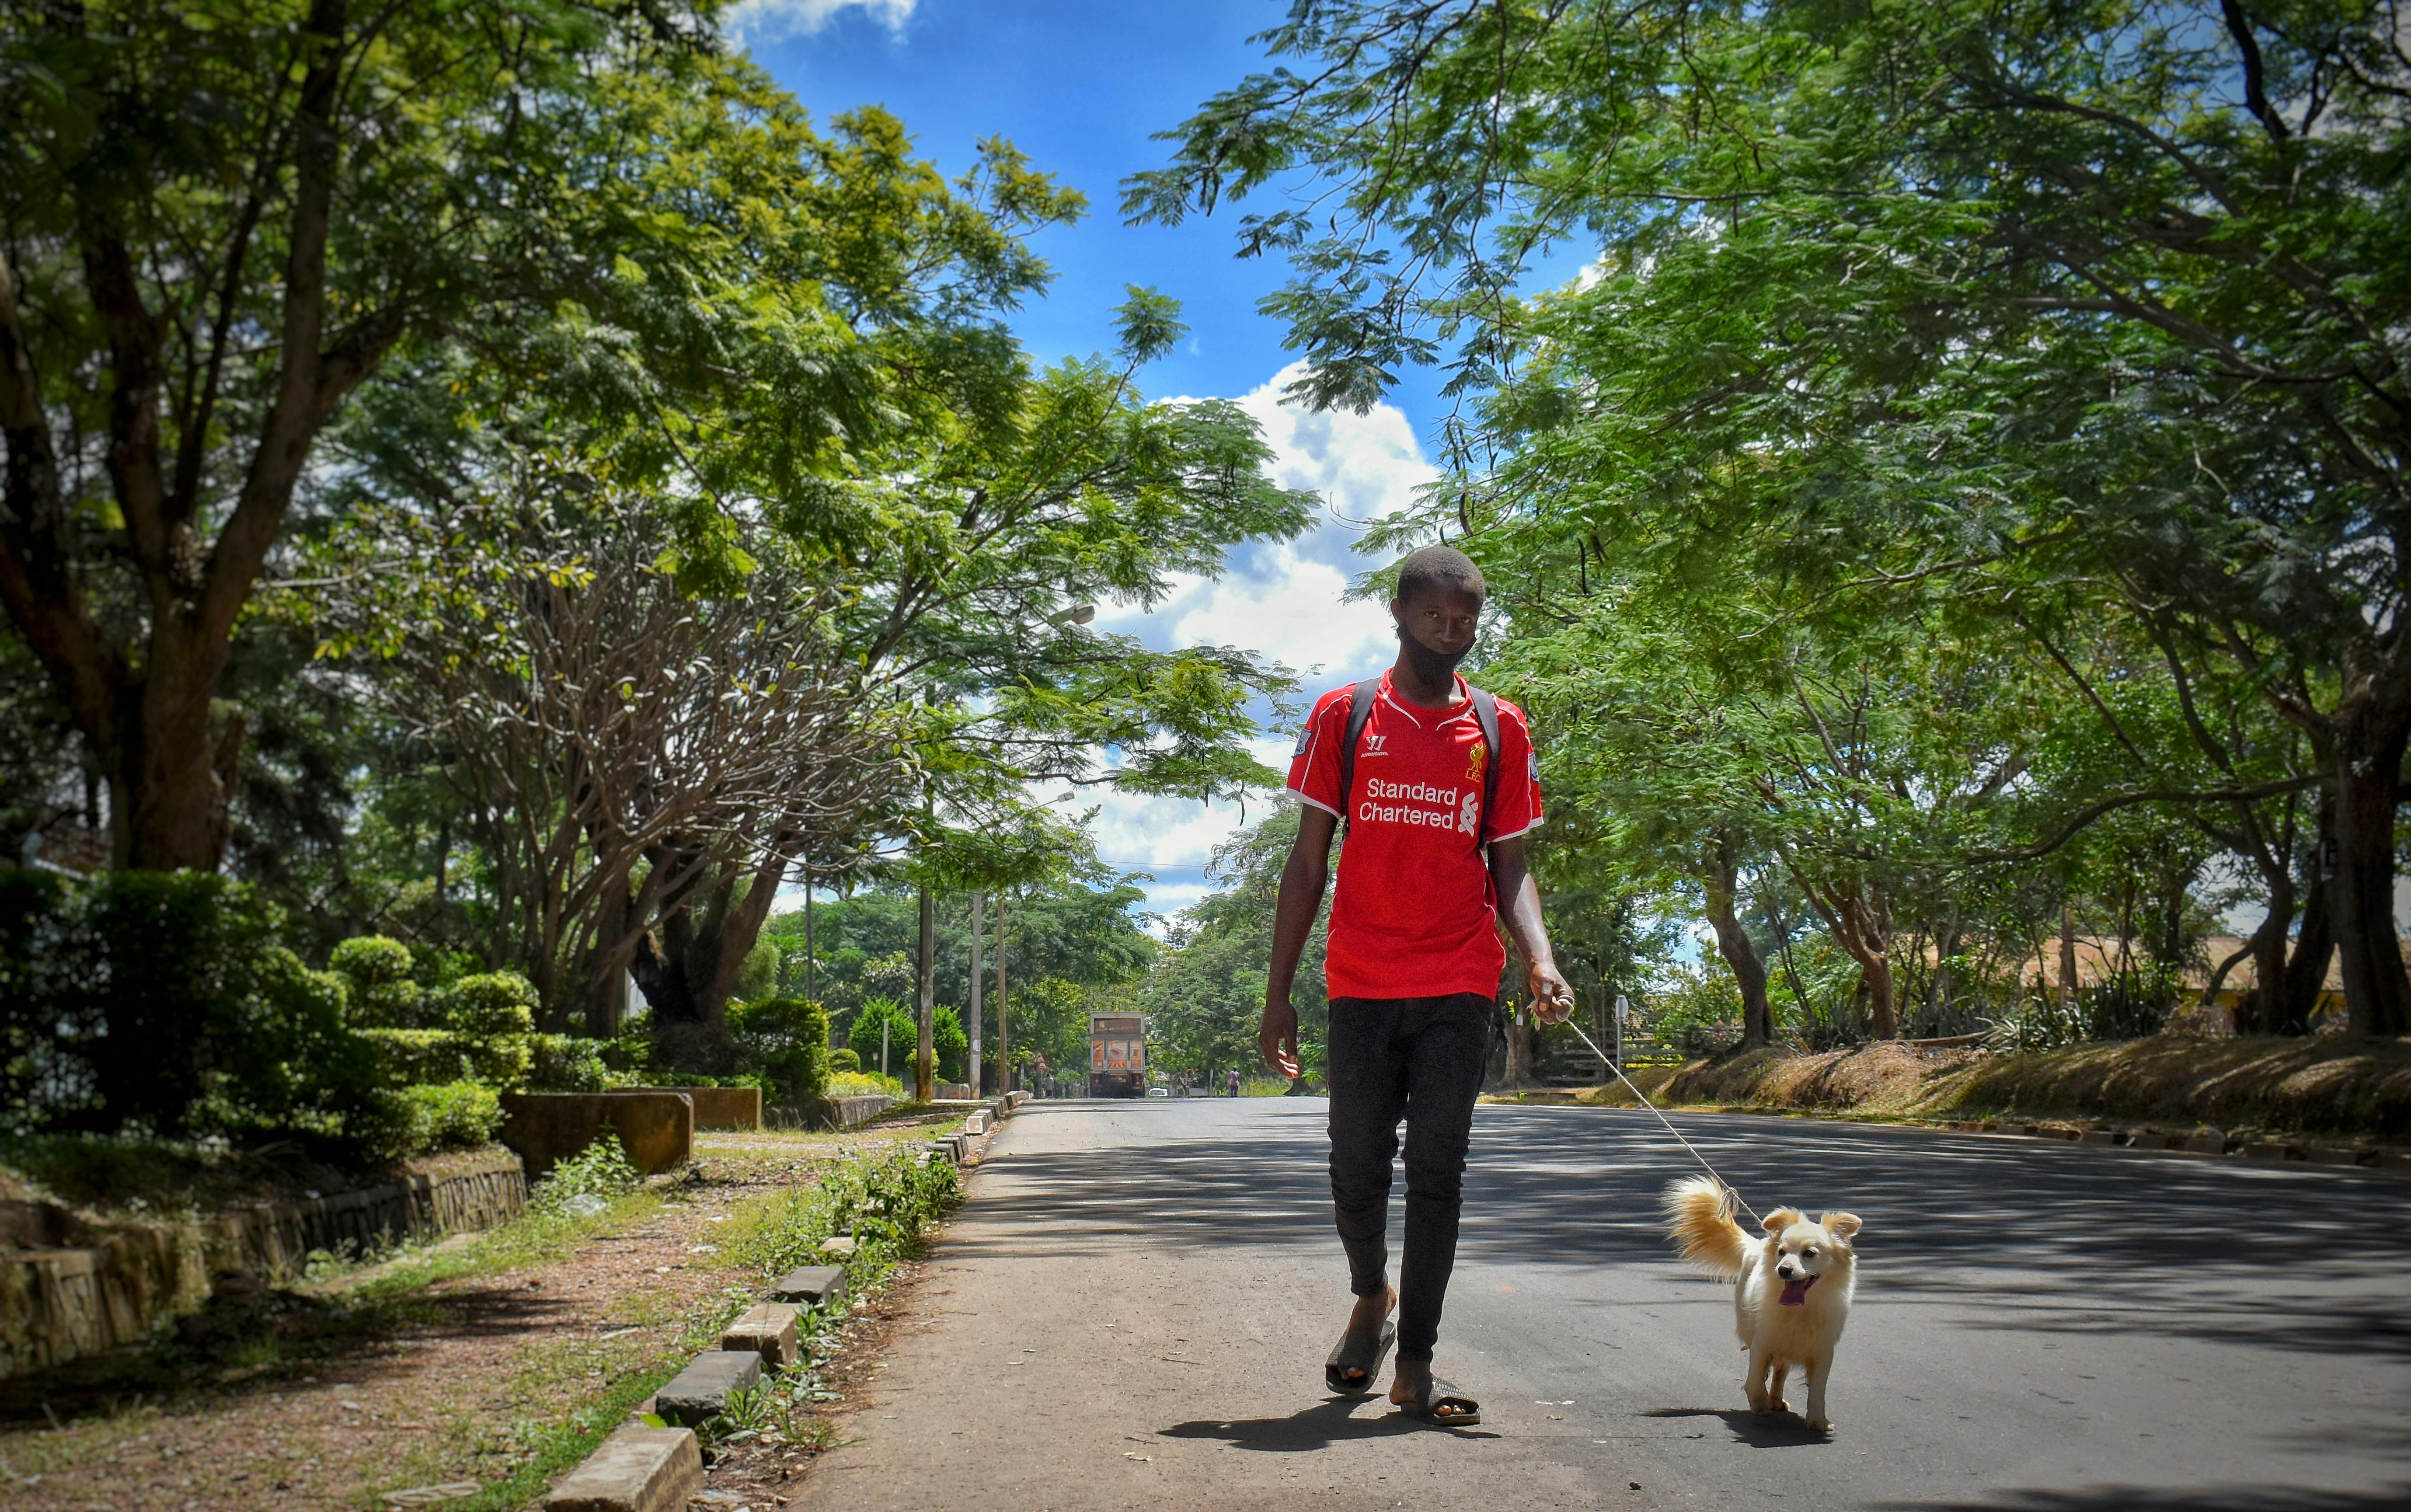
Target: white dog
[{"x": 1805, "y": 1268}]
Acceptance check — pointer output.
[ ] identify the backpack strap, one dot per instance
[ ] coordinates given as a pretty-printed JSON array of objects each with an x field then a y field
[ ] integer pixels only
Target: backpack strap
[
  {"x": 1485, "y": 709},
  {"x": 1360, "y": 709}
]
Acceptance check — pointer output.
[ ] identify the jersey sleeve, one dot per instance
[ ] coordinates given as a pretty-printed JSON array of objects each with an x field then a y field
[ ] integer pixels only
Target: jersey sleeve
[
  {"x": 1314, "y": 766},
  {"x": 1519, "y": 776}
]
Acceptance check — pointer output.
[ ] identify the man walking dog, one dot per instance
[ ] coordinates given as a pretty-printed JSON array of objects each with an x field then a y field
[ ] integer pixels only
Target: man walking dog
[{"x": 1436, "y": 783}]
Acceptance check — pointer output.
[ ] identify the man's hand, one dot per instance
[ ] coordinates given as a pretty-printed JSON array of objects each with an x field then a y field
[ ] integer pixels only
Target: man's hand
[
  {"x": 1553, "y": 1000},
  {"x": 1276, "y": 1035}
]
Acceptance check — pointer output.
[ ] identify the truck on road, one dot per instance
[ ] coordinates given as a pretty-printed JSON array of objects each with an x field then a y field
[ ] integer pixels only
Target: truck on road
[{"x": 1117, "y": 1056}]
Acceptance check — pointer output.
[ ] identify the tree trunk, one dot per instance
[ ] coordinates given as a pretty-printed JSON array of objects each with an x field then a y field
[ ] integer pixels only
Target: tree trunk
[
  {"x": 2368, "y": 774},
  {"x": 1721, "y": 878},
  {"x": 1519, "y": 1046},
  {"x": 2258, "y": 1012},
  {"x": 1859, "y": 925},
  {"x": 2067, "y": 951},
  {"x": 2306, "y": 971},
  {"x": 978, "y": 1067},
  {"x": 925, "y": 1058},
  {"x": 1003, "y": 1027},
  {"x": 170, "y": 799},
  {"x": 688, "y": 962}
]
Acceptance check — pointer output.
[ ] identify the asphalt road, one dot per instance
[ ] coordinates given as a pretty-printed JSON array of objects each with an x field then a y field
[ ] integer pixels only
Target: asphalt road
[{"x": 1133, "y": 1308}]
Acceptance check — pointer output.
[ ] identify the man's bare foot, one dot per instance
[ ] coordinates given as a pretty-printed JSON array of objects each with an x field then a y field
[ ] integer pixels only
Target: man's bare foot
[
  {"x": 1408, "y": 1376},
  {"x": 1368, "y": 1315}
]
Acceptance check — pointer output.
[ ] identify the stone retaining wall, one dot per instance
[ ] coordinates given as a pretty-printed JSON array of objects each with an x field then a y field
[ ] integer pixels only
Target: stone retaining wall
[
  {"x": 715, "y": 1107},
  {"x": 655, "y": 1128},
  {"x": 107, "y": 1285}
]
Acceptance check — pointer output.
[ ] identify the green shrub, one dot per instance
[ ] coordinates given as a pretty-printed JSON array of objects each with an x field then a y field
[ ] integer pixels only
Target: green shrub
[
  {"x": 163, "y": 1002},
  {"x": 863, "y": 1084},
  {"x": 494, "y": 1004},
  {"x": 863, "y": 1038},
  {"x": 450, "y": 1116},
  {"x": 565, "y": 1063},
  {"x": 601, "y": 1169},
  {"x": 411, "y": 1057},
  {"x": 947, "y": 1037},
  {"x": 844, "y": 1060},
  {"x": 784, "y": 1043},
  {"x": 378, "y": 973}
]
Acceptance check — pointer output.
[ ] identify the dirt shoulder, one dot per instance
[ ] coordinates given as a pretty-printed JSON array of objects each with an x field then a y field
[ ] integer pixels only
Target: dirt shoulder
[{"x": 2354, "y": 1089}]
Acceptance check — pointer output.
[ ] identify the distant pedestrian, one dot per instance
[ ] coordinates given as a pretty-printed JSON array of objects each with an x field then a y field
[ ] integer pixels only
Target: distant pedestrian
[
  {"x": 1235, "y": 1083},
  {"x": 1437, "y": 785}
]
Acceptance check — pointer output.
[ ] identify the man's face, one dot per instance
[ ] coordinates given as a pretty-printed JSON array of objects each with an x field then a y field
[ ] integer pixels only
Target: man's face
[{"x": 1444, "y": 620}]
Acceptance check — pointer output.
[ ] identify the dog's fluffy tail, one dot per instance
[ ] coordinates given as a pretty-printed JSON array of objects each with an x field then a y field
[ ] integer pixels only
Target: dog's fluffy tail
[{"x": 1699, "y": 1216}]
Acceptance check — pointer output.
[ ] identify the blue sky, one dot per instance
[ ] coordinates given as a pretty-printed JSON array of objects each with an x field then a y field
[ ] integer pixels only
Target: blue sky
[{"x": 1080, "y": 87}]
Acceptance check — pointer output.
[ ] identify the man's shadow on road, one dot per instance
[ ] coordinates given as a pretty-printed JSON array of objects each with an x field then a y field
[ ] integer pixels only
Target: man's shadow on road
[{"x": 1317, "y": 1426}]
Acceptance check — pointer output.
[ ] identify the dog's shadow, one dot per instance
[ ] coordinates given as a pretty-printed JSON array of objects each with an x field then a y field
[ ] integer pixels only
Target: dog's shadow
[{"x": 1783, "y": 1431}]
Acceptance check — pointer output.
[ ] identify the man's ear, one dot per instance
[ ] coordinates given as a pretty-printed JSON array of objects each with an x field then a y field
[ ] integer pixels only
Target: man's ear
[
  {"x": 1843, "y": 1224},
  {"x": 1782, "y": 1218}
]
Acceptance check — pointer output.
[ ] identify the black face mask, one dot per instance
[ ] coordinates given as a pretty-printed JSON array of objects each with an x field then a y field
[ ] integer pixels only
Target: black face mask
[{"x": 1435, "y": 668}]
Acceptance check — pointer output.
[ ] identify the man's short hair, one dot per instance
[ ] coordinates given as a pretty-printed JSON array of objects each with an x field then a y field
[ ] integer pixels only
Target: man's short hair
[{"x": 1444, "y": 568}]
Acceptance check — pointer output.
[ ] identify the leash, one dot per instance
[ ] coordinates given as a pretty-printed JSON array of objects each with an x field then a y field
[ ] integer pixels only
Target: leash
[{"x": 1605, "y": 1059}]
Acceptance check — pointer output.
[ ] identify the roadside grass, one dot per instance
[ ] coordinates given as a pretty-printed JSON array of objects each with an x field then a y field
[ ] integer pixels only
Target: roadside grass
[{"x": 565, "y": 1396}]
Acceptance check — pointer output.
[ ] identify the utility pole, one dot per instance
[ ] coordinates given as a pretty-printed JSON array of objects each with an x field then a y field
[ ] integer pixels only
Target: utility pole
[
  {"x": 976, "y": 973},
  {"x": 1003, "y": 1040},
  {"x": 808, "y": 933},
  {"x": 925, "y": 1059}
]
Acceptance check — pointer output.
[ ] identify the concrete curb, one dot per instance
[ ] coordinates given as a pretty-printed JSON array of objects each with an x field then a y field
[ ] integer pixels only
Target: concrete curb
[
  {"x": 701, "y": 1392},
  {"x": 769, "y": 1330},
  {"x": 639, "y": 1468}
]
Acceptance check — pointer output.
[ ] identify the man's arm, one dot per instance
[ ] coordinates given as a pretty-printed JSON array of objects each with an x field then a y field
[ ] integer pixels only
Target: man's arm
[
  {"x": 1303, "y": 879},
  {"x": 1552, "y": 998}
]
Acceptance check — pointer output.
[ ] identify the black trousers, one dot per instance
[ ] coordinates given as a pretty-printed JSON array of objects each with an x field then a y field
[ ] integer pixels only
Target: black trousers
[{"x": 1420, "y": 1059}]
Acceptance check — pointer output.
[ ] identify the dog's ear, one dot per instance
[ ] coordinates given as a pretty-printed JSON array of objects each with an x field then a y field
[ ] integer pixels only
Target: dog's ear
[
  {"x": 1843, "y": 1224},
  {"x": 1782, "y": 1218}
]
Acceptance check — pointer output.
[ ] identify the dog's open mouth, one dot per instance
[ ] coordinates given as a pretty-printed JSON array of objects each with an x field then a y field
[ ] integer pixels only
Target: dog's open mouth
[{"x": 1796, "y": 1292}]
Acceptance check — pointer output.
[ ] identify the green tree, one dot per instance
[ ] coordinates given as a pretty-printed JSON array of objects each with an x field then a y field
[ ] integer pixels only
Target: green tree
[
  {"x": 1206, "y": 992},
  {"x": 2027, "y": 299},
  {"x": 219, "y": 221}
]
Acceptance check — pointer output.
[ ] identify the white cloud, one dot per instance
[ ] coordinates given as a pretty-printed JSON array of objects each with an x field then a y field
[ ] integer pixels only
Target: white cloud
[
  {"x": 1363, "y": 465},
  {"x": 772, "y": 21},
  {"x": 1286, "y": 601}
]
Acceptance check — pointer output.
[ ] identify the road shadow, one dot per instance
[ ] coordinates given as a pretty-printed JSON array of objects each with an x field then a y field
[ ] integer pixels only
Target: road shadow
[
  {"x": 1317, "y": 1426},
  {"x": 1784, "y": 1431},
  {"x": 2137, "y": 1499},
  {"x": 2016, "y": 1235}
]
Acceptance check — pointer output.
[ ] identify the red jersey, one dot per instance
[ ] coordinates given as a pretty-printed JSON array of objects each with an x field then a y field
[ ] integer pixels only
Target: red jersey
[{"x": 1413, "y": 916}]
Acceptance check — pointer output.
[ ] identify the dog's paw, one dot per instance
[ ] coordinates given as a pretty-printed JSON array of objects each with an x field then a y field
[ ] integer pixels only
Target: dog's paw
[
  {"x": 1776, "y": 1405},
  {"x": 1820, "y": 1425}
]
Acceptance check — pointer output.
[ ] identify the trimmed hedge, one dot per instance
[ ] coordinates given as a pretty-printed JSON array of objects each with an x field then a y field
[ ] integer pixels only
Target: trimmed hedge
[
  {"x": 505, "y": 1062},
  {"x": 163, "y": 1003},
  {"x": 453, "y": 1115}
]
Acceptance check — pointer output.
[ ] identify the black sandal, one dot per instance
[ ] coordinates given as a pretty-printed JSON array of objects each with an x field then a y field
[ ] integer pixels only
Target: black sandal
[
  {"x": 1358, "y": 1350},
  {"x": 1442, "y": 1404}
]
